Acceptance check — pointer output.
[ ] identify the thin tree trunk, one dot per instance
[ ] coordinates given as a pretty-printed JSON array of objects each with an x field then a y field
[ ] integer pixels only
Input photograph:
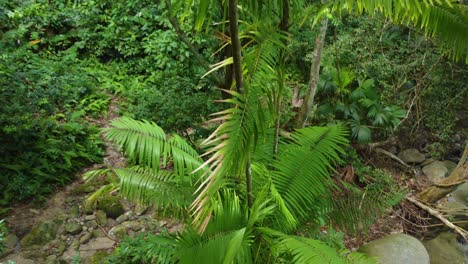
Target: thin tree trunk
[
  {"x": 314, "y": 75},
  {"x": 237, "y": 57},
  {"x": 283, "y": 26},
  {"x": 458, "y": 176}
]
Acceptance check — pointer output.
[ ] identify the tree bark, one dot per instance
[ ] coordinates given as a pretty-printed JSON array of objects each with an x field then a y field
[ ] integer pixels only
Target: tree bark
[
  {"x": 459, "y": 175},
  {"x": 314, "y": 75}
]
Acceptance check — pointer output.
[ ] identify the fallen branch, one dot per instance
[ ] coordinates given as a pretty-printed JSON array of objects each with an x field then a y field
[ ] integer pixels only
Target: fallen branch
[{"x": 439, "y": 216}]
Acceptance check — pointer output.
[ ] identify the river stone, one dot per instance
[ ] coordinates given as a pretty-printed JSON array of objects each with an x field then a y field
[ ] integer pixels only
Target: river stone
[
  {"x": 100, "y": 243},
  {"x": 73, "y": 228},
  {"x": 461, "y": 194},
  {"x": 118, "y": 232},
  {"x": 411, "y": 156},
  {"x": 397, "y": 249},
  {"x": 111, "y": 205},
  {"x": 436, "y": 171},
  {"x": 450, "y": 165},
  {"x": 40, "y": 235},
  {"x": 101, "y": 217},
  {"x": 445, "y": 249}
]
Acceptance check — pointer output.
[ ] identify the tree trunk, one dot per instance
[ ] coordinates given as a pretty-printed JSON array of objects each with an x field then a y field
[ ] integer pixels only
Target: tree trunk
[
  {"x": 459, "y": 175},
  {"x": 314, "y": 75}
]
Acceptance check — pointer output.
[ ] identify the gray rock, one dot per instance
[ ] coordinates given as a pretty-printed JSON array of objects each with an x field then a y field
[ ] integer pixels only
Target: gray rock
[
  {"x": 411, "y": 156},
  {"x": 427, "y": 162},
  {"x": 100, "y": 243},
  {"x": 73, "y": 228},
  {"x": 445, "y": 249},
  {"x": 450, "y": 165},
  {"x": 90, "y": 217},
  {"x": 436, "y": 171},
  {"x": 74, "y": 211},
  {"x": 101, "y": 217},
  {"x": 122, "y": 218},
  {"x": 98, "y": 233},
  {"x": 10, "y": 241},
  {"x": 133, "y": 225},
  {"x": 397, "y": 249},
  {"x": 118, "y": 232},
  {"x": 461, "y": 194},
  {"x": 85, "y": 238},
  {"x": 92, "y": 224}
]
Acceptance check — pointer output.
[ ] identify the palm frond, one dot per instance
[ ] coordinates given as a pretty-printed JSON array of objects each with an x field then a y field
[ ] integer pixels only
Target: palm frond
[
  {"x": 163, "y": 189},
  {"x": 145, "y": 143},
  {"x": 296, "y": 249},
  {"x": 301, "y": 177}
]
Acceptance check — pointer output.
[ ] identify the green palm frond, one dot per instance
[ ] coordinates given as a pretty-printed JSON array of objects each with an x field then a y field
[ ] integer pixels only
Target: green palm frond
[
  {"x": 296, "y": 249},
  {"x": 301, "y": 177},
  {"x": 443, "y": 19},
  {"x": 163, "y": 189},
  {"x": 145, "y": 143},
  {"x": 226, "y": 238}
]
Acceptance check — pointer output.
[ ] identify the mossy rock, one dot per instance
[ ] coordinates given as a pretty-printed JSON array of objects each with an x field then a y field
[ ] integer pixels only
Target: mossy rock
[
  {"x": 40, "y": 235},
  {"x": 98, "y": 258},
  {"x": 111, "y": 205},
  {"x": 88, "y": 187}
]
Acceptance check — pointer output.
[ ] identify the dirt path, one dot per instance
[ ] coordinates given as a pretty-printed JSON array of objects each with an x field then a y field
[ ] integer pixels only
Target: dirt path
[{"x": 22, "y": 218}]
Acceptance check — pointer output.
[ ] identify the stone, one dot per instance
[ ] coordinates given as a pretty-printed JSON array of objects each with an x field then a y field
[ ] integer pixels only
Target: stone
[
  {"x": 85, "y": 238},
  {"x": 34, "y": 211},
  {"x": 98, "y": 258},
  {"x": 84, "y": 188},
  {"x": 75, "y": 244},
  {"x": 100, "y": 243},
  {"x": 91, "y": 224},
  {"x": 61, "y": 248},
  {"x": 18, "y": 259},
  {"x": 411, "y": 156},
  {"x": 461, "y": 194},
  {"x": 427, "y": 162},
  {"x": 90, "y": 217},
  {"x": 118, "y": 232},
  {"x": 140, "y": 209},
  {"x": 73, "y": 228},
  {"x": 133, "y": 225},
  {"x": 43, "y": 233},
  {"x": 445, "y": 249},
  {"x": 74, "y": 211},
  {"x": 98, "y": 233},
  {"x": 121, "y": 218},
  {"x": 450, "y": 165},
  {"x": 111, "y": 205},
  {"x": 52, "y": 259},
  {"x": 436, "y": 171},
  {"x": 10, "y": 241},
  {"x": 101, "y": 217},
  {"x": 396, "y": 249}
]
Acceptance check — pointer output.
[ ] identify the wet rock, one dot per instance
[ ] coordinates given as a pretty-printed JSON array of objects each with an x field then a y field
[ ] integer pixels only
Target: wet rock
[
  {"x": 436, "y": 171},
  {"x": 397, "y": 248},
  {"x": 73, "y": 228},
  {"x": 445, "y": 249},
  {"x": 43, "y": 233},
  {"x": 411, "y": 156},
  {"x": 101, "y": 217},
  {"x": 111, "y": 205}
]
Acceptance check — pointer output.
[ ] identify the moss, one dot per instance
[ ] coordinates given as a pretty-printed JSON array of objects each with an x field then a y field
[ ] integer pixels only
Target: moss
[
  {"x": 41, "y": 234},
  {"x": 98, "y": 258},
  {"x": 111, "y": 205}
]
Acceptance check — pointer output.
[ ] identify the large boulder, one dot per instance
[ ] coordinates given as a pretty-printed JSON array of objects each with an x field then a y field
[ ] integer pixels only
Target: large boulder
[
  {"x": 397, "y": 249},
  {"x": 450, "y": 165},
  {"x": 411, "y": 156},
  {"x": 40, "y": 235},
  {"x": 436, "y": 171},
  {"x": 445, "y": 249}
]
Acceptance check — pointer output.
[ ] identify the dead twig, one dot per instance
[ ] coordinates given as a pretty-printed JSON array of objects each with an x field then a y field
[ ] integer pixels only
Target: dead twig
[{"x": 439, "y": 216}]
